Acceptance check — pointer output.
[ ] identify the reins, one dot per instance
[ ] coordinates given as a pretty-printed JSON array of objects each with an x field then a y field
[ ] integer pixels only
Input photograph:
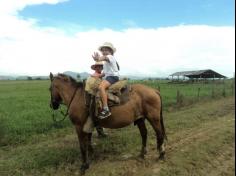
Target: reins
[{"x": 67, "y": 111}]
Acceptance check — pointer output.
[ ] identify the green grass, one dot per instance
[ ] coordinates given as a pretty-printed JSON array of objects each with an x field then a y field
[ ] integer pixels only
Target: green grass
[
  {"x": 32, "y": 145},
  {"x": 189, "y": 91},
  {"x": 25, "y": 112}
]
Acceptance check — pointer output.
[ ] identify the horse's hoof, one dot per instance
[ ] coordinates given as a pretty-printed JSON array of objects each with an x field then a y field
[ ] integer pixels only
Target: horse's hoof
[
  {"x": 162, "y": 156},
  {"x": 143, "y": 153},
  {"x": 83, "y": 168}
]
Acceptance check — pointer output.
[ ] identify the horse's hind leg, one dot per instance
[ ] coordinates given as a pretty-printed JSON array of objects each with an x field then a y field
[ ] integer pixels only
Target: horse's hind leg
[
  {"x": 143, "y": 132},
  {"x": 155, "y": 122}
]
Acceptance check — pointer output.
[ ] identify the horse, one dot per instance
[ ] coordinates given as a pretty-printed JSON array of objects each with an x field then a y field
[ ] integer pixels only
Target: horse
[{"x": 143, "y": 101}]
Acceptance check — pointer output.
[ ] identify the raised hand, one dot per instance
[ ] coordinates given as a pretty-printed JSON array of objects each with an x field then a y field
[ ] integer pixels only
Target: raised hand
[{"x": 95, "y": 56}]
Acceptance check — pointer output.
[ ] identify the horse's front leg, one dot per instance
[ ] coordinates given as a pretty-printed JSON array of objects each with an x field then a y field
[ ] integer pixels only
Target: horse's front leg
[{"x": 84, "y": 142}]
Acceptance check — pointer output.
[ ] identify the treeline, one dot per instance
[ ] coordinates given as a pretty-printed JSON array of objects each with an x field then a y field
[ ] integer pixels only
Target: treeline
[{"x": 33, "y": 78}]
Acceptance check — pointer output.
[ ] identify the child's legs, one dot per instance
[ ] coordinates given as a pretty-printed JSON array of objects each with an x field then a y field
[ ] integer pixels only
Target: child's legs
[{"x": 102, "y": 88}]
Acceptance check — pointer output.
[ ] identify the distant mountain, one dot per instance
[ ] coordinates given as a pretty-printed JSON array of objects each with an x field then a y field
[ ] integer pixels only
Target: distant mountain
[
  {"x": 7, "y": 77},
  {"x": 40, "y": 77},
  {"x": 32, "y": 77},
  {"x": 22, "y": 77},
  {"x": 83, "y": 75}
]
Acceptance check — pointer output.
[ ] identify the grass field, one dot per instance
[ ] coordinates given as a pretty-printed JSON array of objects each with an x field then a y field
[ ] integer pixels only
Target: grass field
[
  {"x": 201, "y": 135},
  {"x": 190, "y": 92}
]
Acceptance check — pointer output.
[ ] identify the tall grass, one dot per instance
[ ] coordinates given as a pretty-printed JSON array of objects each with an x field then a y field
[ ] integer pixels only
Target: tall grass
[
  {"x": 190, "y": 92},
  {"x": 25, "y": 112}
]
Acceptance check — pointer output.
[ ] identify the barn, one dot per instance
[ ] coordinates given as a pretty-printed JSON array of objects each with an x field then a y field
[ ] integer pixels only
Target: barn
[{"x": 197, "y": 75}]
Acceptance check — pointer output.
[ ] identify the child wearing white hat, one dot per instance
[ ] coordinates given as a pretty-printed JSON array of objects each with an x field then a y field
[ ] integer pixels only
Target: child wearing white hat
[{"x": 110, "y": 71}]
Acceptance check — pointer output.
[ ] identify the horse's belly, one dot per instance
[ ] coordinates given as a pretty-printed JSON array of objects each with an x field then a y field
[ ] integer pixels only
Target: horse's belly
[
  {"x": 116, "y": 121},
  {"x": 123, "y": 115}
]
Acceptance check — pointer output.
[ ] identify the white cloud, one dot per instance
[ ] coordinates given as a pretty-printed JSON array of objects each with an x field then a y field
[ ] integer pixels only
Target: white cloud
[
  {"x": 26, "y": 48},
  {"x": 13, "y": 6}
]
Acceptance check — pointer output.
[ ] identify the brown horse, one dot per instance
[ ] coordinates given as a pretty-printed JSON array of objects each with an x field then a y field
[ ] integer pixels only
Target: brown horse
[{"x": 144, "y": 102}]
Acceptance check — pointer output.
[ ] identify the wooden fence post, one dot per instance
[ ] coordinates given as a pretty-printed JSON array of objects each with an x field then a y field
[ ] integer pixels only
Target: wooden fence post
[
  {"x": 198, "y": 93},
  {"x": 224, "y": 93},
  {"x": 213, "y": 92},
  {"x": 177, "y": 97}
]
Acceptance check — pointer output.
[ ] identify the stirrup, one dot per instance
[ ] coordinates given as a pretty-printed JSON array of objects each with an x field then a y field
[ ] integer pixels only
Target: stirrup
[{"x": 104, "y": 114}]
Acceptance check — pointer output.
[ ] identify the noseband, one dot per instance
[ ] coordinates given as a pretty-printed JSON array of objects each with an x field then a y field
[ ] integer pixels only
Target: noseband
[{"x": 67, "y": 111}]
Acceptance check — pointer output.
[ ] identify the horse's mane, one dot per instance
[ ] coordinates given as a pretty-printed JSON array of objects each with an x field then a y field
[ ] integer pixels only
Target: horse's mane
[{"x": 71, "y": 80}]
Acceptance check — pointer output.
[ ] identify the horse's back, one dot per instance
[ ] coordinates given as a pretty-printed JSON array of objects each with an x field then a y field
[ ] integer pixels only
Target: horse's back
[
  {"x": 145, "y": 91},
  {"x": 150, "y": 97}
]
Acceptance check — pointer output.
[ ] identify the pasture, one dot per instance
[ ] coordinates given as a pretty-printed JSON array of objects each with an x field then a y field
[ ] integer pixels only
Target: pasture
[{"x": 199, "y": 124}]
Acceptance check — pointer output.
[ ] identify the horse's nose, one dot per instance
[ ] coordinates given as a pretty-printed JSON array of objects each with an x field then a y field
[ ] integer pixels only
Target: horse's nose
[{"x": 54, "y": 105}]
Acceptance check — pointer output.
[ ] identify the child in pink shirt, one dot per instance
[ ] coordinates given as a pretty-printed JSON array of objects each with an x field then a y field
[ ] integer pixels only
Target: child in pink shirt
[{"x": 97, "y": 67}]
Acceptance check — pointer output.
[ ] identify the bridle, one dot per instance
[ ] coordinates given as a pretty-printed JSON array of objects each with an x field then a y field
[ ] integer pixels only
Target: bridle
[{"x": 67, "y": 111}]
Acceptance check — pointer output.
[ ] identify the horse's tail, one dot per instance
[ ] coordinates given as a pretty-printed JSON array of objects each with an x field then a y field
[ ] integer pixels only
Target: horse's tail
[{"x": 161, "y": 115}]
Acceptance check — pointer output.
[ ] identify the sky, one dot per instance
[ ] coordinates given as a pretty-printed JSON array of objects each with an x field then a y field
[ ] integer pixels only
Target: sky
[{"x": 152, "y": 37}]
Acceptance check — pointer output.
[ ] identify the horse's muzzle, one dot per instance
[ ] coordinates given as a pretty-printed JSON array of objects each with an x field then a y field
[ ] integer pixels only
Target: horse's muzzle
[{"x": 54, "y": 105}]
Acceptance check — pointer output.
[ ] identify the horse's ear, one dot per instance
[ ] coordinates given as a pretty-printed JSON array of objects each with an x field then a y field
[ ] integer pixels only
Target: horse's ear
[{"x": 51, "y": 76}]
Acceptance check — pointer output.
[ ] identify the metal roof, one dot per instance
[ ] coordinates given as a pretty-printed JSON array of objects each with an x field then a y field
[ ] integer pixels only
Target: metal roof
[{"x": 199, "y": 74}]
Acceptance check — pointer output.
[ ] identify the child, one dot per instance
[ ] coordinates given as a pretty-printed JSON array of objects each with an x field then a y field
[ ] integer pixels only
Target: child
[
  {"x": 97, "y": 67},
  {"x": 110, "y": 71},
  {"x": 89, "y": 125}
]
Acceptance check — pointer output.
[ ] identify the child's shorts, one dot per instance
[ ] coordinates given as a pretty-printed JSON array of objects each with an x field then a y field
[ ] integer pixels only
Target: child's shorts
[{"x": 112, "y": 79}]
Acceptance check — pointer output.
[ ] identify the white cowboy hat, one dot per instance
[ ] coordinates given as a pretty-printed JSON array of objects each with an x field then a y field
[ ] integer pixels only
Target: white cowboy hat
[
  {"x": 100, "y": 63},
  {"x": 109, "y": 45}
]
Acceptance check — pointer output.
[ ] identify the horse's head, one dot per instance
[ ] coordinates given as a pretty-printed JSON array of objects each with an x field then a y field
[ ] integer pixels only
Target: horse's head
[
  {"x": 55, "y": 94},
  {"x": 62, "y": 83}
]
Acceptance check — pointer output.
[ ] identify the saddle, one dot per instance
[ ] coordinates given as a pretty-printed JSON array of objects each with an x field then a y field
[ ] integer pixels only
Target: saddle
[{"x": 117, "y": 93}]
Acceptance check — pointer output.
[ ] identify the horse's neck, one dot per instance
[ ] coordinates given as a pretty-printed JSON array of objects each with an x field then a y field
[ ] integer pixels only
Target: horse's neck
[{"x": 68, "y": 93}]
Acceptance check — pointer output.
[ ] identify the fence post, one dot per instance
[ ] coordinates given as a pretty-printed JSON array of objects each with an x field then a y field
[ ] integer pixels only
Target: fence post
[
  {"x": 224, "y": 93},
  {"x": 213, "y": 92},
  {"x": 177, "y": 96},
  {"x": 198, "y": 93}
]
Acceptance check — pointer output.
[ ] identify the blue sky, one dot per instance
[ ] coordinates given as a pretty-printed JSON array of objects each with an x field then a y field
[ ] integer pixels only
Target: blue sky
[
  {"x": 152, "y": 37},
  {"x": 120, "y": 14}
]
